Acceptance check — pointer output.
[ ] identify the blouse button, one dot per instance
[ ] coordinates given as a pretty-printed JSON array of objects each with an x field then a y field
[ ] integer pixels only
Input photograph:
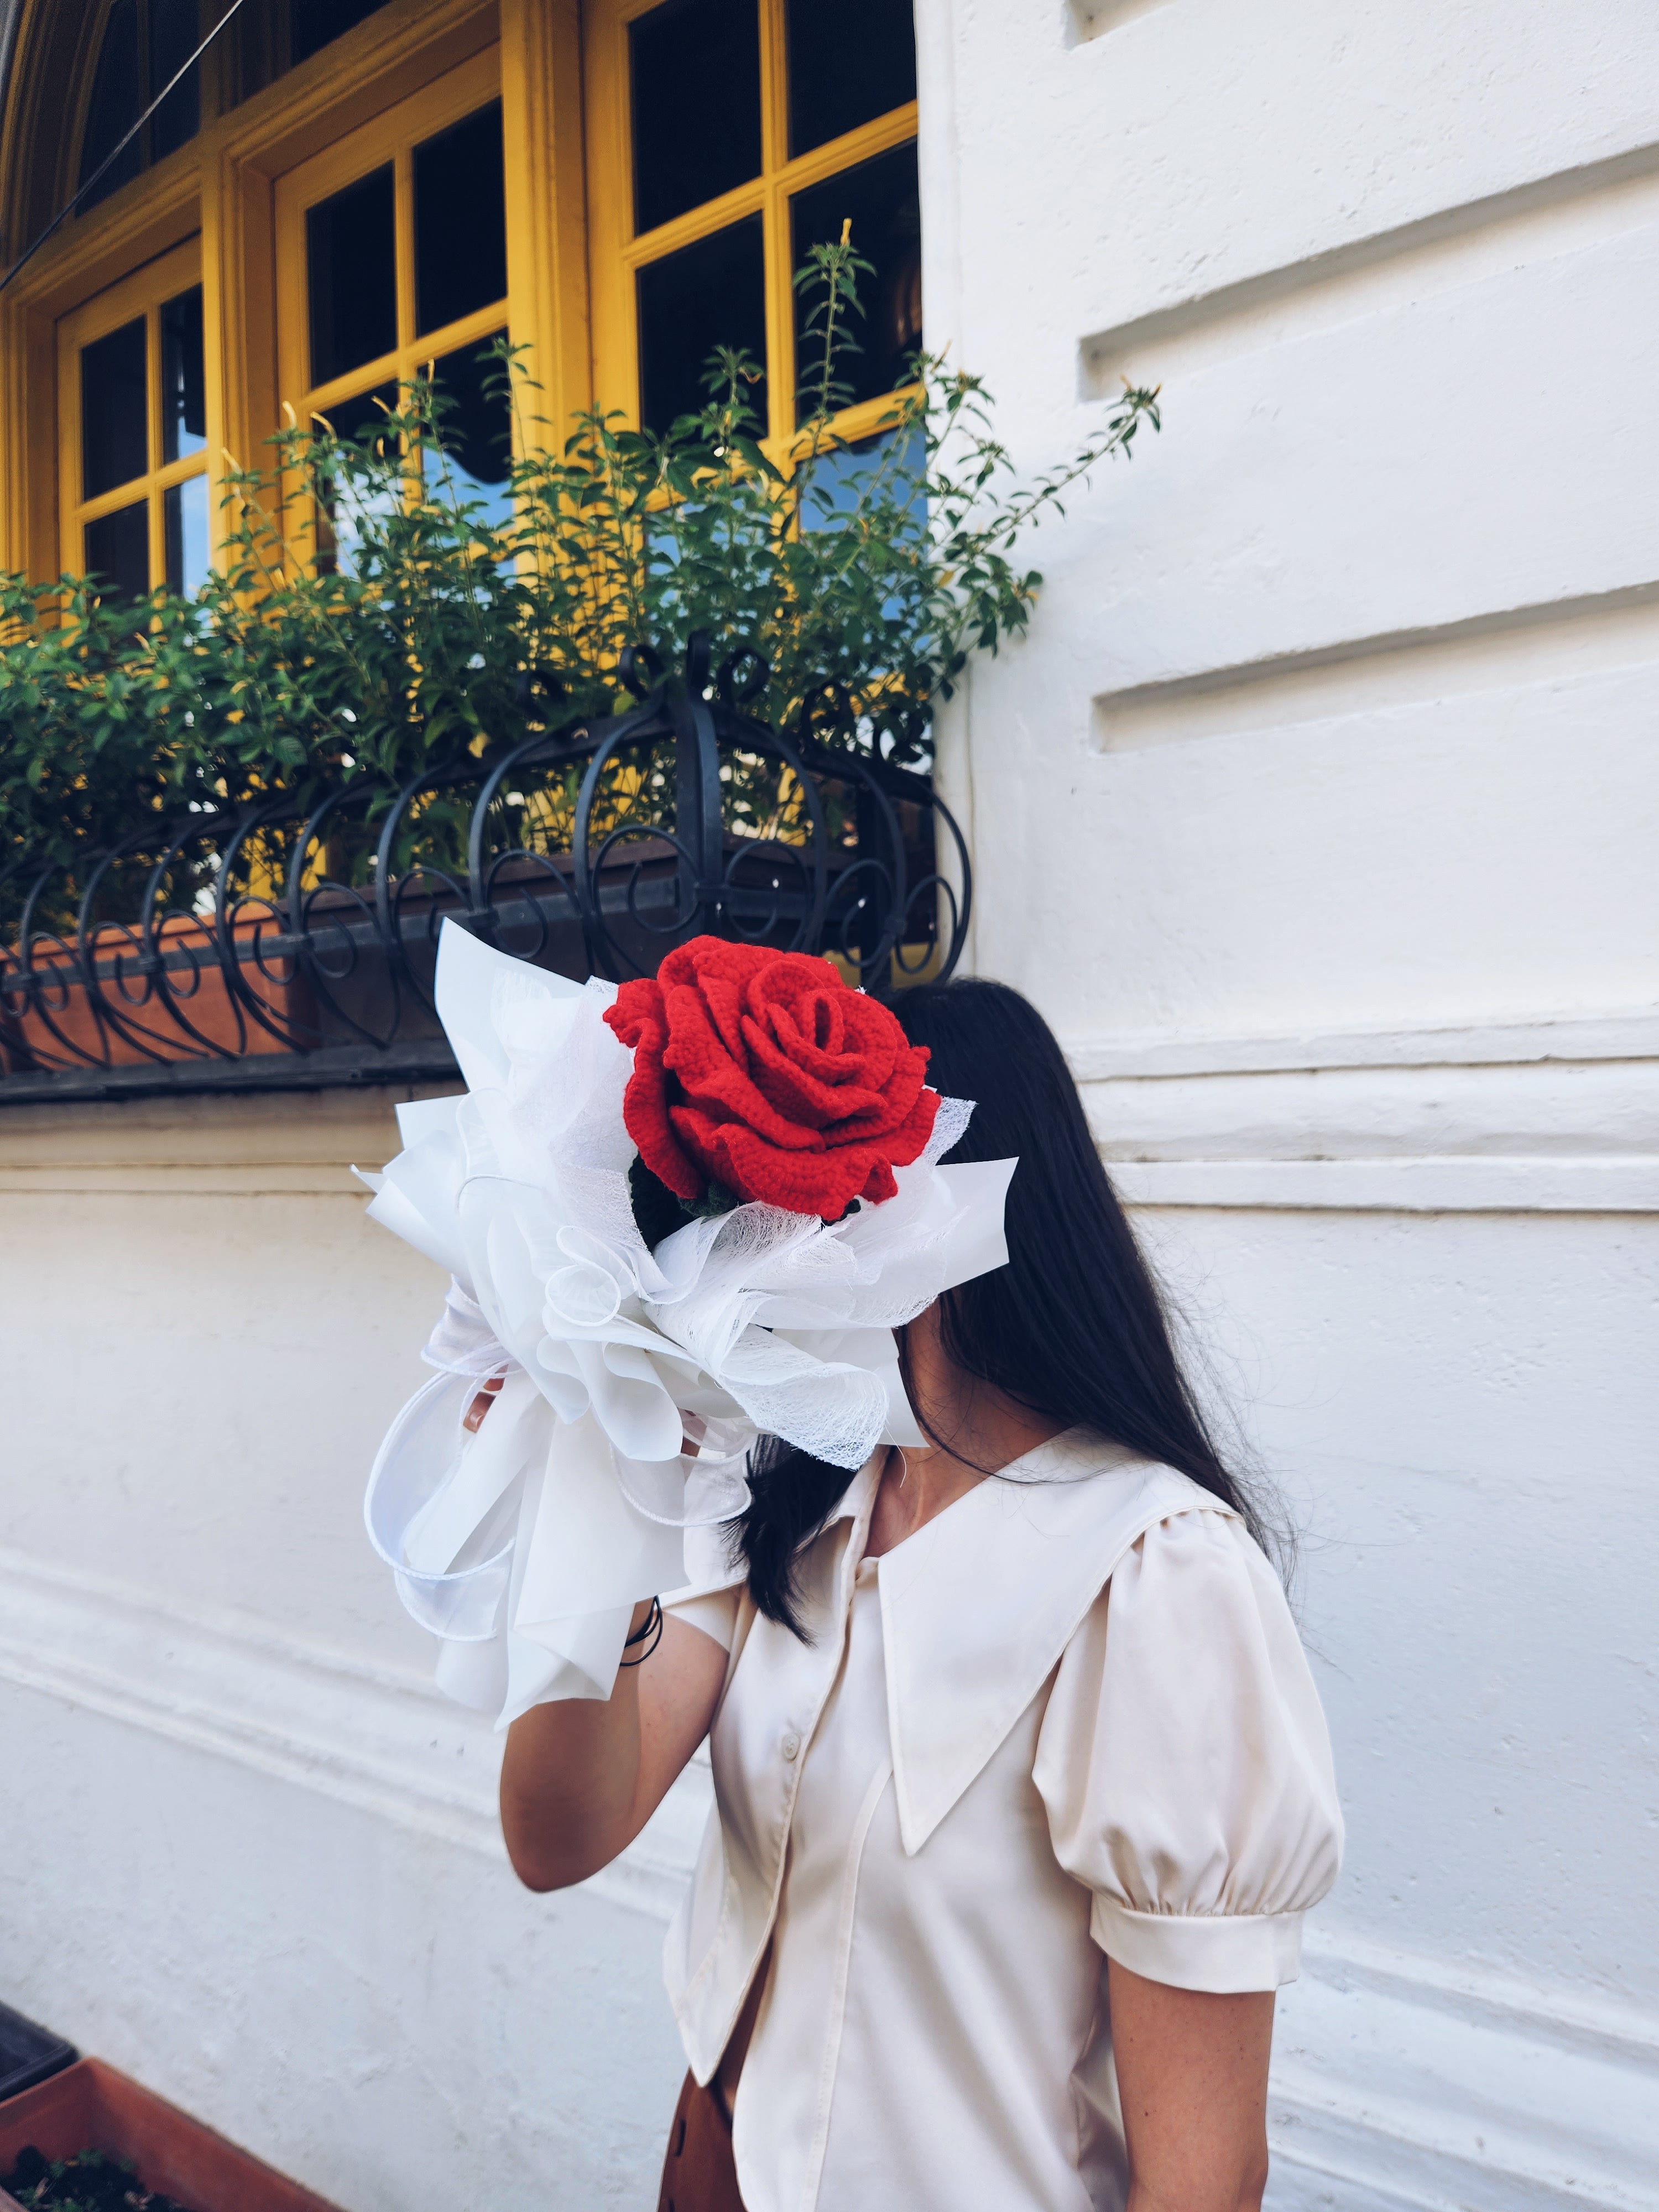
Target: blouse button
[{"x": 792, "y": 1747}]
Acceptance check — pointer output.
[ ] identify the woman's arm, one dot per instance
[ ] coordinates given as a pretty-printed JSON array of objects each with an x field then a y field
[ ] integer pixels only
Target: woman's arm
[
  {"x": 582, "y": 1777},
  {"x": 1192, "y": 2075}
]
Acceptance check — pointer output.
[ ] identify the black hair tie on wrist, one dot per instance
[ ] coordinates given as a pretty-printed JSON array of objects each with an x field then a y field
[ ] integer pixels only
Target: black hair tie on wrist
[{"x": 651, "y": 1627}]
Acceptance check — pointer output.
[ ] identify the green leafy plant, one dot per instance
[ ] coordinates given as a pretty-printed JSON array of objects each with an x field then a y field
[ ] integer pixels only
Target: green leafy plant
[{"x": 366, "y": 619}]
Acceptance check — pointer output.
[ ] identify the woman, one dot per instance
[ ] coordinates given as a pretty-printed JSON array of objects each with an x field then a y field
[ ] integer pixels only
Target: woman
[{"x": 1022, "y": 1786}]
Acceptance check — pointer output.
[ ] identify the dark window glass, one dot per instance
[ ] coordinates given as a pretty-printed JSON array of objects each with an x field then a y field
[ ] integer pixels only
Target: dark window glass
[
  {"x": 352, "y": 275},
  {"x": 184, "y": 523},
  {"x": 363, "y": 412},
  {"x": 184, "y": 392},
  {"x": 848, "y": 63},
  {"x": 314, "y": 23},
  {"x": 460, "y": 221},
  {"x": 139, "y": 56},
  {"x": 118, "y": 550},
  {"x": 710, "y": 294},
  {"x": 114, "y": 431},
  {"x": 694, "y": 66},
  {"x": 174, "y": 34},
  {"x": 879, "y": 199},
  {"x": 477, "y": 434},
  {"x": 115, "y": 107}
]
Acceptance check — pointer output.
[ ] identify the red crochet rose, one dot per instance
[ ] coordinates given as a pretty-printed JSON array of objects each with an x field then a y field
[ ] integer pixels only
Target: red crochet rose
[{"x": 763, "y": 1072}]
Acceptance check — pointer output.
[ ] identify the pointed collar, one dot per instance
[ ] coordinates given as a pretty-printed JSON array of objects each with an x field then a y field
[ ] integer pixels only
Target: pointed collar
[{"x": 979, "y": 1604}]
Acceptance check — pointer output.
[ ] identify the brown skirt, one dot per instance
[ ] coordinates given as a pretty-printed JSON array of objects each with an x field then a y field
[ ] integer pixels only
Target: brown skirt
[{"x": 699, "y": 2173}]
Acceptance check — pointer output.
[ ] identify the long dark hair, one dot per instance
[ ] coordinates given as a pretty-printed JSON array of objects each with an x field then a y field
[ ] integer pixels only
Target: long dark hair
[{"x": 1073, "y": 1326}]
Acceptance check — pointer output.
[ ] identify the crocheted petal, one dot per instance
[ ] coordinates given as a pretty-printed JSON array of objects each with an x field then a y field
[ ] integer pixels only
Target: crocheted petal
[
  {"x": 910, "y": 1142},
  {"x": 709, "y": 955},
  {"x": 807, "y": 1004},
  {"x": 703, "y": 1135},
  {"x": 713, "y": 1081},
  {"x": 789, "y": 976},
  {"x": 895, "y": 1108},
  {"x": 796, "y": 1032},
  {"x": 822, "y": 1183},
  {"x": 707, "y": 1011},
  {"x": 881, "y": 1185},
  {"x": 798, "y": 1089},
  {"x": 636, "y": 1007},
  {"x": 874, "y": 1032}
]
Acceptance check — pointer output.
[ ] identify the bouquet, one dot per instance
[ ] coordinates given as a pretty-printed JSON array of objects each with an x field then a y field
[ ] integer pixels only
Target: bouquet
[{"x": 677, "y": 1215}]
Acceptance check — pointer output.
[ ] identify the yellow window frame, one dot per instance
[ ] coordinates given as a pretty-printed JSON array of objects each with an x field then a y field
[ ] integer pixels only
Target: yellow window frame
[
  {"x": 615, "y": 254},
  {"x": 221, "y": 188},
  {"x": 388, "y": 138},
  {"x": 145, "y": 293}
]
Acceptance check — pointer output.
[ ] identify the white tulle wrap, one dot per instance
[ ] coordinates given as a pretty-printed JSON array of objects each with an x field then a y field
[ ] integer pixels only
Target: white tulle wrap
[{"x": 526, "y": 1546}]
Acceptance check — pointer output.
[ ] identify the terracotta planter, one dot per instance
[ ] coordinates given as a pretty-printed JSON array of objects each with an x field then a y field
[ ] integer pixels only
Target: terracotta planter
[
  {"x": 64, "y": 1029},
  {"x": 28, "y": 2053},
  {"x": 90, "y": 2106}
]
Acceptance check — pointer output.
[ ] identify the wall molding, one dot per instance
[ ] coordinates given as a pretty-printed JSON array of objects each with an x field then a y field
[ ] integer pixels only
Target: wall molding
[
  {"x": 1581, "y": 638},
  {"x": 1547, "y": 1116},
  {"x": 1522, "y": 1185},
  {"x": 1401, "y": 2083},
  {"x": 379, "y": 1738},
  {"x": 1476, "y": 1041},
  {"x": 1210, "y": 310}
]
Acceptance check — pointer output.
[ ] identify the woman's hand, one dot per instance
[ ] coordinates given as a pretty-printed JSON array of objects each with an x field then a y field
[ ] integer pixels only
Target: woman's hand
[
  {"x": 472, "y": 1419},
  {"x": 1192, "y": 2077}
]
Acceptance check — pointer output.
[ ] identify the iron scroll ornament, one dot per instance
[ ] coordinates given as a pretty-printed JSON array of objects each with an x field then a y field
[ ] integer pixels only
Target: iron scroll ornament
[{"x": 283, "y": 944}]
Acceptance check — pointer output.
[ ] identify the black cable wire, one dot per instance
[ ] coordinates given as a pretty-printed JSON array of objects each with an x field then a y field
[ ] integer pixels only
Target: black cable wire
[{"x": 116, "y": 151}]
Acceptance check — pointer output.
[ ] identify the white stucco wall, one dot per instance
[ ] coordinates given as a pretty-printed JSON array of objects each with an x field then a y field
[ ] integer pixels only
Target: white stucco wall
[
  {"x": 1318, "y": 811},
  {"x": 249, "y": 1855}
]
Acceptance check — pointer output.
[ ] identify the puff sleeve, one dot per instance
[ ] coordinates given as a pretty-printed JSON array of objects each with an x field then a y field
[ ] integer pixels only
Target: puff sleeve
[{"x": 1185, "y": 1764}]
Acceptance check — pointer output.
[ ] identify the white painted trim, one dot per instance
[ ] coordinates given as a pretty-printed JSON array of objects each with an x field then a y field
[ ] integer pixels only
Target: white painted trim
[
  {"x": 379, "y": 1738},
  {"x": 1401, "y": 2083},
  {"x": 1443, "y": 1185},
  {"x": 1513, "y": 224},
  {"x": 1629, "y": 1033}
]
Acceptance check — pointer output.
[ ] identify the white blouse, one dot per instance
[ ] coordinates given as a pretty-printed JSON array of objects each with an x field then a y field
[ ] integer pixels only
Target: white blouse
[{"x": 1070, "y": 1717}]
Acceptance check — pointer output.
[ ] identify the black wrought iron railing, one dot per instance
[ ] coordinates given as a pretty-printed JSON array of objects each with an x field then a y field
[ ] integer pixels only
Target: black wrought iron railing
[{"x": 285, "y": 949}]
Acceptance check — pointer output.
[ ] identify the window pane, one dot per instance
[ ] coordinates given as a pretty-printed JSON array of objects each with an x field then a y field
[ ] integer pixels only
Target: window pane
[
  {"x": 460, "y": 221},
  {"x": 118, "y": 550},
  {"x": 847, "y": 64},
  {"x": 477, "y": 434},
  {"x": 315, "y": 22},
  {"x": 184, "y": 394},
  {"x": 834, "y": 482},
  {"x": 879, "y": 198},
  {"x": 184, "y": 520},
  {"x": 114, "y": 107},
  {"x": 708, "y": 295},
  {"x": 364, "y": 412},
  {"x": 347, "y": 508},
  {"x": 115, "y": 437},
  {"x": 695, "y": 69},
  {"x": 352, "y": 273},
  {"x": 174, "y": 35}
]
